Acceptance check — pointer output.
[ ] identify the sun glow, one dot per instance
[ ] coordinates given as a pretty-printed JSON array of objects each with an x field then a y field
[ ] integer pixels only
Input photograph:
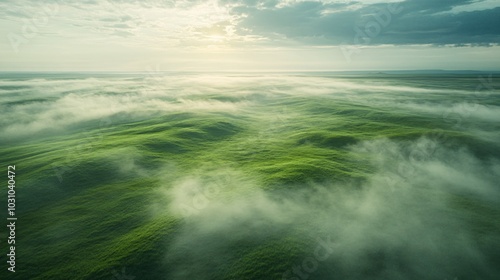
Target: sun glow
[{"x": 216, "y": 38}]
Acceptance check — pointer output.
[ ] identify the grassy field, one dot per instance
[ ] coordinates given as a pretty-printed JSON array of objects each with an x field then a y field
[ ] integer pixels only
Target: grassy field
[{"x": 239, "y": 176}]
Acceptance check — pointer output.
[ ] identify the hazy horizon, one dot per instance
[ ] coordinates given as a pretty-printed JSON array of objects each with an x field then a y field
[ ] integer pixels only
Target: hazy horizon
[{"x": 362, "y": 72}]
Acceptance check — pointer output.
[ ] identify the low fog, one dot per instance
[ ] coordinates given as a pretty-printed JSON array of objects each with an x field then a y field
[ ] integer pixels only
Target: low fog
[
  {"x": 38, "y": 106},
  {"x": 424, "y": 207},
  {"x": 407, "y": 220}
]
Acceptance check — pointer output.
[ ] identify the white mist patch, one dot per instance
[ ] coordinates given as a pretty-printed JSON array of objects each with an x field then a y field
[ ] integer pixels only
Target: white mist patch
[
  {"x": 32, "y": 106},
  {"x": 57, "y": 110},
  {"x": 431, "y": 166},
  {"x": 210, "y": 190},
  {"x": 458, "y": 112},
  {"x": 404, "y": 216},
  {"x": 127, "y": 162}
]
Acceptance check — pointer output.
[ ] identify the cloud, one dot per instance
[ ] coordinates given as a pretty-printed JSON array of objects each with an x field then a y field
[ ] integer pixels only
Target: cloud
[
  {"x": 42, "y": 106},
  {"x": 98, "y": 35},
  {"x": 35, "y": 106},
  {"x": 405, "y": 217},
  {"x": 426, "y": 209},
  {"x": 306, "y": 22},
  {"x": 406, "y": 22}
]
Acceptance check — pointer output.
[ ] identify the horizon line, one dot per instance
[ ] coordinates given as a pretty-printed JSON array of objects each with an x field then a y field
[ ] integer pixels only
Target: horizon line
[{"x": 152, "y": 72}]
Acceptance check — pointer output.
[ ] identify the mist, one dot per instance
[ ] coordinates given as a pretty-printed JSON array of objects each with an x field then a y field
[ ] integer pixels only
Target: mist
[
  {"x": 51, "y": 105},
  {"x": 406, "y": 215},
  {"x": 250, "y": 176}
]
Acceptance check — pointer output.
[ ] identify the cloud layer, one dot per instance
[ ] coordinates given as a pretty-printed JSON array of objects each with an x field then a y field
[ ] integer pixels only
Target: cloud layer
[
  {"x": 405, "y": 22},
  {"x": 238, "y": 34},
  {"x": 275, "y": 176},
  {"x": 406, "y": 221},
  {"x": 34, "y": 106}
]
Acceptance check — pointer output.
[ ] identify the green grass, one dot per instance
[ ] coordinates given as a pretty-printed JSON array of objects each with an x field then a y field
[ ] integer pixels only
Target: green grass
[{"x": 100, "y": 216}]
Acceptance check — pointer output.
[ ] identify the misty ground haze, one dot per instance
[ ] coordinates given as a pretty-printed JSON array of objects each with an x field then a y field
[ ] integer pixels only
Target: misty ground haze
[{"x": 255, "y": 176}]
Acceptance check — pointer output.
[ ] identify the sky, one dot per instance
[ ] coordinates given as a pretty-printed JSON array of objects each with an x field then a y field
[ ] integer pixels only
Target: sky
[{"x": 249, "y": 35}]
